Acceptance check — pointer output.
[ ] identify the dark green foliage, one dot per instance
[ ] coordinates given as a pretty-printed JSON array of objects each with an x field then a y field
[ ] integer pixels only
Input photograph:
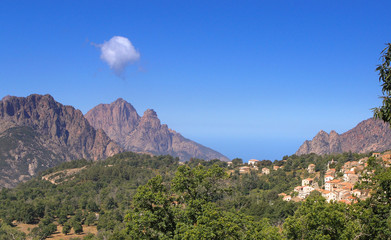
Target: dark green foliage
[
  {"x": 62, "y": 217},
  {"x": 7, "y": 232},
  {"x": 316, "y": 219},
  {"x": 92, "y": 206},
  {"x": 91, "y": 236},
  {"x": 43, "y": 231},
  {"x": 196, "y": 162},
  {"x": 77, "y": 227},
  {"x": 237, "y": 162},
  {"x": 90, "y": 219},
  {"x": 384, "y": 70},
  {"x": 189, "y": 212},
  {"x": 66, "y": 228},
  {"x": 199, "y": 200}
]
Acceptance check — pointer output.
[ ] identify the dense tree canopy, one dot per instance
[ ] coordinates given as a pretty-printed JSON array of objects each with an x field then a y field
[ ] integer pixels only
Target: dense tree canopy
[{"x": 132, "y": 196}]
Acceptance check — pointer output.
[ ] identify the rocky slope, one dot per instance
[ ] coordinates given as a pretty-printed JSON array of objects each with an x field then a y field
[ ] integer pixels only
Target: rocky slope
[
  {"x": 37, "y": 132},
  {"x": 145, "y": 134},
  {"x": 368, "y": 135}
]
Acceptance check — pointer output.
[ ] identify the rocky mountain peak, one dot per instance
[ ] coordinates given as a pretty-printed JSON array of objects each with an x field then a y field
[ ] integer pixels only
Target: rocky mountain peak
[
  {"x": 118, "y": 119},
  {"x": 322, "y": 132},
  {"x": 150, "y": 113},
  {"x": 333, "y": 133},
  {"x": 145, "y": 134},
  {"x": 119, "y": 100},
  {"x": 368, "y": 135}
]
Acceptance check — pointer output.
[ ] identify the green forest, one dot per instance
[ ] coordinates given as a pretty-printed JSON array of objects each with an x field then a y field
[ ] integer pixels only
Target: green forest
[{"x": 134, "y": 196}]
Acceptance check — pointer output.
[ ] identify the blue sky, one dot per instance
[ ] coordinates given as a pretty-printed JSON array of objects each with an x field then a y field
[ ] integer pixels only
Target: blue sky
[{"x": 251, "y": 79}]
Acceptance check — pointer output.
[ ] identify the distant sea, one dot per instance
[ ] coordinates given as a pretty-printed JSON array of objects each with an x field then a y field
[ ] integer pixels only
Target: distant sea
[{"x": 247, "y": 148}]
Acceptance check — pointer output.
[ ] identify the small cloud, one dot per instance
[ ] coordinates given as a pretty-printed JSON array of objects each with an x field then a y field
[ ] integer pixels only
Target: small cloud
[{"x": 118, "y": 52}]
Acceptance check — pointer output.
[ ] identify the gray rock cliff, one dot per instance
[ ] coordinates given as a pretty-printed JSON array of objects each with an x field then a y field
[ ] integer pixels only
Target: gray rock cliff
[{"x": 36, "y": 133}]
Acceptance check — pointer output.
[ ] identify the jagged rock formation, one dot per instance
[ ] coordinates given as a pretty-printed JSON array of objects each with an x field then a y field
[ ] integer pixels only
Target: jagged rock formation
[
  {"x": 37, "y": 132},
  {"x": 145, "y": 134},
  {"x": 368, "y": 135}
]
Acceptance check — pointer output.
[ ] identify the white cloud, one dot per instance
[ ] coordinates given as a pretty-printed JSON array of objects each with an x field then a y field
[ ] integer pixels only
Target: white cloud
[{"x": 118, "y": 52}]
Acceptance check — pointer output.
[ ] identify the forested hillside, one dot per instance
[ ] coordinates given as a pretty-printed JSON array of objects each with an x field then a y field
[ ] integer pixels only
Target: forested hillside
[{"x": 132, "y": 196}]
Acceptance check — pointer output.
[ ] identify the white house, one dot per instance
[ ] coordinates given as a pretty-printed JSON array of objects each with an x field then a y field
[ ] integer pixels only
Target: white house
[
  {"x": 331, "y": 184},
  {"x": 244, "y": 169},
  {"x": 265, "y": 171},
  {"x": 311, "y": 168},
  {"x": 253, "y": 162},
  {"x": 347, "y": 174},
  {"x": 333, "y": 196},
  {"x": 307, "y": 182},
  {"x": 328, "y": 178}
]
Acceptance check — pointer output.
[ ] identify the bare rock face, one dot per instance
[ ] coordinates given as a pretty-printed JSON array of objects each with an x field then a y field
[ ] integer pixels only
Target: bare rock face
[
  {"x": 37, "y": 132},
  {"x": 145, "y": 134},
  {"x": 120, "y": 115},
  {"x": 369, "y": 135}
]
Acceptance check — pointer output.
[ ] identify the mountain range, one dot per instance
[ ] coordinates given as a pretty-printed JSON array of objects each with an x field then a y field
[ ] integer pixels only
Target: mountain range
[
  {"x": 369, "y": 135},
  {"x": 37, "y": 132}
]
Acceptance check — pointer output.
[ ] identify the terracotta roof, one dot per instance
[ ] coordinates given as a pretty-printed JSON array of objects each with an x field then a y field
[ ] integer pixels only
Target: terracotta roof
[
  {"x": 345, "y": 201},
  {"x": 322, "y": 191},
  {"x": 346, "y": 184},
  {"x": 253, "y": 160},
  {"x": 334, "y": 181}
]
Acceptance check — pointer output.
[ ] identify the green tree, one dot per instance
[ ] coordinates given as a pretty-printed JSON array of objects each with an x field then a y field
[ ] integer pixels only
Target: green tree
[
  {"x": 237, "y": 162},
  {"x": 111, "y": 204},
  {"x": 62, "y": 217},
  {"x": 92, "y": 206},
  {"x": 317, "y": 219},
  {"x": 199, "y": 183},
  {"x": 77, "y": 227},
  {"x": 90, "y": 219},
  {"x": 66, "y": 228},
  {"x": 26, "y": 213},
  {"x": 9, "y": 233},
  {"x": 43, "y": 231},
  {"x": 152, "y": 216},
  {"x": 375, "y": 212},
  {"x": 384, "y": 70}
]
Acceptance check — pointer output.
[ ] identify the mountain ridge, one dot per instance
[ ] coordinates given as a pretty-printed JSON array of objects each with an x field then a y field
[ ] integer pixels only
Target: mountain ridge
[
  {"x": 122, "y": 123},
  {"x": 368, "y": 135}
]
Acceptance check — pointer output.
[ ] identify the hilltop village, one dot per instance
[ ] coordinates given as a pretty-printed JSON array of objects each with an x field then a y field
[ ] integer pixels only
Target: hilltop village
[{"x": 334, "y": 184}]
